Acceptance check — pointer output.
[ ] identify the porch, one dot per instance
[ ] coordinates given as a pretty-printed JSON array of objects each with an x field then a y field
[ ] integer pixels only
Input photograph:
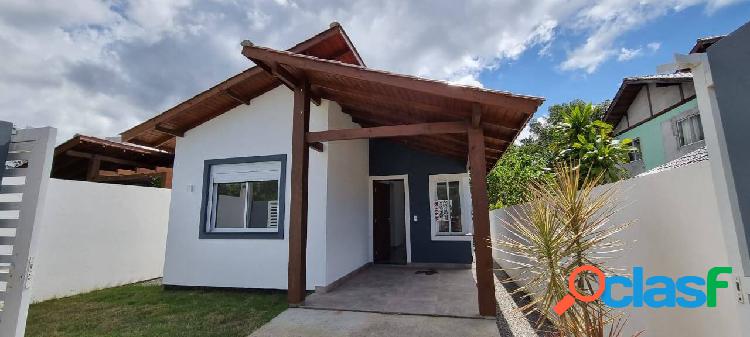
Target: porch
[
  {"x": 450, "y": 292},
  {"x": 466, "y": 123}
]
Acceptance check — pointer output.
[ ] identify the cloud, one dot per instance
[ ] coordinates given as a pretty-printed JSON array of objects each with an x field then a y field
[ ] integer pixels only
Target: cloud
[
  {"x": 605, "y": 21},
  {"x": 653, "y": 46},
  {"x": 94, "y": 67},
  {"x": 628, "y": 54}
]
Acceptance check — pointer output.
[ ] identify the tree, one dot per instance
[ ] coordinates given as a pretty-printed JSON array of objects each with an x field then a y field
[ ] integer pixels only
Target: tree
[
  {"x": 519, "y": 166},
  {"x": 583, "y": 139},
  {"x": 543, "y": 130},
  {"x": 572, "y": 133}
]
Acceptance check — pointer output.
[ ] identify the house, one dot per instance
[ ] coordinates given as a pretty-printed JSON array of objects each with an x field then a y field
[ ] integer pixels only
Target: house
[
  {"x": 110, "y": 160},
  {"x": 397, "y": 165},
  {"x": 660, "y": 114}
]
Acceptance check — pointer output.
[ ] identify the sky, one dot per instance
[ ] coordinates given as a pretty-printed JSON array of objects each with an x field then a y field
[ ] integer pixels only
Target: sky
[{"x": 99, "y": 67}]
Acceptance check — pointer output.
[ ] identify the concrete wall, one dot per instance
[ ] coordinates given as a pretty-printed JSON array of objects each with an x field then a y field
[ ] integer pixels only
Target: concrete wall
[
  {"x": 96, "y": 236},
  {"x": 261, "y": 128},
  {"x": 390, "y": 158},
  {"x": 639, "y": 109},
  {"x": 731, "y": 79},
  {"x": 677, "y": 233},
  {"x": 658, "y": 131},
  {"x": 347, "y": 200},
  {"x": 688, "y": 89},
  {"x": 662, "y": 97}
]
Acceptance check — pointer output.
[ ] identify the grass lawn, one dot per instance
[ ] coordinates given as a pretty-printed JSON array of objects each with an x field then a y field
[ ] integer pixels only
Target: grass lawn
[{"x": 147, "y": 310}]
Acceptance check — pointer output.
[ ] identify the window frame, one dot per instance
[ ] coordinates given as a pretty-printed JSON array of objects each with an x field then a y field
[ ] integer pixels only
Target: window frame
[
  {"x": 680, "y": 132},
  {"x": 206, "y": 229},
  {"x": 637, "y": 155},
  {"x": 467, "y": 225}
]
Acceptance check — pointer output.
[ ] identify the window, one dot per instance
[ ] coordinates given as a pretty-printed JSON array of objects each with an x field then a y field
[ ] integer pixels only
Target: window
[
  {"x": 450, "y": 205},
  {"x": 244, "y": 197},
  {"x": 689, "y": 130},
  {"x": 448, "y": 208},
  {"x": 636, "y": 155}
]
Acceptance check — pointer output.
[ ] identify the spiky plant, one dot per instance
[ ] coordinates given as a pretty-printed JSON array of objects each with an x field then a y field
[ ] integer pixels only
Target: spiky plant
[{"x": 565, "y": 226}]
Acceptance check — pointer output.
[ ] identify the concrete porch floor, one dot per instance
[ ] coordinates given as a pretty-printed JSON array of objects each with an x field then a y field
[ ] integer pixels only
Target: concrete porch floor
[{"x": 400, "y": 290}]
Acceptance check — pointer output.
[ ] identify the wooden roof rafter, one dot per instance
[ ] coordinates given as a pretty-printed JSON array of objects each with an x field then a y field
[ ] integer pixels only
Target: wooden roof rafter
[{"x": 408, "y": 106}]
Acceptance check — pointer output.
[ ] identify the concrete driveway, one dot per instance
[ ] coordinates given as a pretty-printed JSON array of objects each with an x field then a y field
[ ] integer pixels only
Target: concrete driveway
[{"x": 299, "y": 322}]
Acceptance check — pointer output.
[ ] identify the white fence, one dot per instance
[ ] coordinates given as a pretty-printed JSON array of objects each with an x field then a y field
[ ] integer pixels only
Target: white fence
[
  {"x": 97, "y": 235},
  {"x": 677, "y": 233}
]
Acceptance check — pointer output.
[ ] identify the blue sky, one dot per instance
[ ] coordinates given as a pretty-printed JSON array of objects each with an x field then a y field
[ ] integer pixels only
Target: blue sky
[{"x": 540, "y": 75}]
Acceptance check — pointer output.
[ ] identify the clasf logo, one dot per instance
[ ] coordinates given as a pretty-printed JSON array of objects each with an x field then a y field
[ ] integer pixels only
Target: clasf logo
[{"x": 655, "y": 291}]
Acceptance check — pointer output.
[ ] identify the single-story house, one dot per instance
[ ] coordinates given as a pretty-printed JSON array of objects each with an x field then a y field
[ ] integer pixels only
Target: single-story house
[{"x": 397, "y": 166}]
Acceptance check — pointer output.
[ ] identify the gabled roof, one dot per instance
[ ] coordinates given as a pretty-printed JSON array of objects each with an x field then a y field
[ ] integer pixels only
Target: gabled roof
[
  {"x": 372, "y": 97},
  {"x": 161, "y": 130},
  {"x": 380, "y": 98},
  {"x": 702, "y": 44},
  {"x": 632, "y": 85}
]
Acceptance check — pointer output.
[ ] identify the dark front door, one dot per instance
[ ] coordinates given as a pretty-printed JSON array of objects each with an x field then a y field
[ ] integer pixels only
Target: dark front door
[{"x": 389, "y": 232}]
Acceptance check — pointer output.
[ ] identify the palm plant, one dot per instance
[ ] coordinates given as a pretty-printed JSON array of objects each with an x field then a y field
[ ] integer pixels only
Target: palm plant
[{"x": 564, "y": 226}]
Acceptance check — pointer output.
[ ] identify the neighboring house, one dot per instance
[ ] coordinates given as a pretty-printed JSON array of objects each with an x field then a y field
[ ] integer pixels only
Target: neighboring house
[
  {"x": 246, "y": 214},
  {"x": 660, "y": 114},
  {"x": 112, "y": 161}
]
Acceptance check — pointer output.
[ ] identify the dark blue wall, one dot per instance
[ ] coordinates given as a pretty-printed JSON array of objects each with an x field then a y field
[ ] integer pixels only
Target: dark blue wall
[{"x": 391, "y": 158}]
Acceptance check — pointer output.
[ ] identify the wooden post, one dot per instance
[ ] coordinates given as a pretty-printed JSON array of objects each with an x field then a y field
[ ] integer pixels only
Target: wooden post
[
  {"x": 298, "y": 205},
  {"x": 481, "y": 217},
  {"x": 93, "y": 169}
]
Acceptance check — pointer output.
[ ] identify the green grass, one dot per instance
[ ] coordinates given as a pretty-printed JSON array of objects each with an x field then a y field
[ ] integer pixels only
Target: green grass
[{"x": 147, "y": 310}]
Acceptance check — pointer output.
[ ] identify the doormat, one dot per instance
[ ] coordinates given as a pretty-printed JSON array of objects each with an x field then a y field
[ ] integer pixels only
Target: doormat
[{"x": 426, "y": 272}]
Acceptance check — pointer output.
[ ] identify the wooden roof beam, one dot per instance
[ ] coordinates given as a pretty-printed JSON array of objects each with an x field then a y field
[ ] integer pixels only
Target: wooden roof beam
[
  {"x": 284, "y": 75},
  {"x": 114, "y": 160},
  {"x": 169, "y": 131},
  {"x": 525, "y": 104},
  {"x": 387, "y": 131},
  {"x": 385, "y": 119},
  {"x": 354, "y": 96},
  {"x": 235, "y": 97}
]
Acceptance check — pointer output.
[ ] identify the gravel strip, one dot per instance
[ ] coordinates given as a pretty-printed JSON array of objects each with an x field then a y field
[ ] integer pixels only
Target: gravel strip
[{"x": 511, "y": 322}]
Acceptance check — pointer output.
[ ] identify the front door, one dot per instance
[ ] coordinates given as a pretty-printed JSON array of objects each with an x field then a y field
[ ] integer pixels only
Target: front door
[{"x": 389, "y": 230}]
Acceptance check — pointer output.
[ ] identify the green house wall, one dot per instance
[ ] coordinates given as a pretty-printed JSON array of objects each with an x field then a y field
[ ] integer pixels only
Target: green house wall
[{"x": 650, "y": 134}]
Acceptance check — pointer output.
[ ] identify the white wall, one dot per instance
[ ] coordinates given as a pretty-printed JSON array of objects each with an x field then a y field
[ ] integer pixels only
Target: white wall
[
  {"x": 664, "y": 97},
  {"x": 639, "y": 109},
  {"x": 261, "y": 128},
  {"x": 97, "y": 235},
  {"x": 677, "y": 233},
  {"x": 347, "y": 200}
]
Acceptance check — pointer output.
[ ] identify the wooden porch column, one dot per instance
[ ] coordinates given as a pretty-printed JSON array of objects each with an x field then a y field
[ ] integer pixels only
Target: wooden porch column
[
  {"x": 93, "y": 170},
  {"x": 298, "y": 205},
  {"x": 481, "y": 217}
]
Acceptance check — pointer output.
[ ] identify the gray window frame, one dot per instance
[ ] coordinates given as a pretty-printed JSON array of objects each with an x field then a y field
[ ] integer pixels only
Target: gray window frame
[
  {"x": 279, "y": 235},
  {"x": 637, "y": 154},
  {"x": 680, "y": 133}
]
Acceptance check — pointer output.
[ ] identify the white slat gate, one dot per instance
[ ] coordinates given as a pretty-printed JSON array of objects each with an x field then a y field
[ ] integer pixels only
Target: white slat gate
[{"x": 24, "y": 185}]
